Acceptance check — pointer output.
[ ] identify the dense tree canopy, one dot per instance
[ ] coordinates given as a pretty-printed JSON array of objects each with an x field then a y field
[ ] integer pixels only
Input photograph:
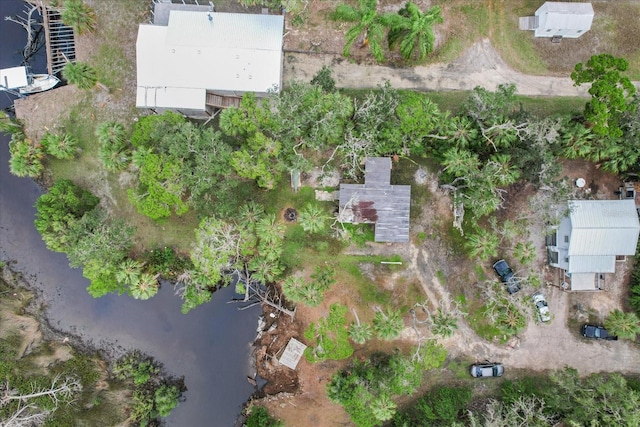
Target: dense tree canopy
[
  {"x": 58, "y": 210},
  {"x": 611, "y": 92},
  {"x": 180, "y": 164}
]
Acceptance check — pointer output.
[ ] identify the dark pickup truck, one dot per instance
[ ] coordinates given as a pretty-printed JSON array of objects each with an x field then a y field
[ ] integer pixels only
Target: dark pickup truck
[
  {"x": 597, "y": 332},
  {"x": 506, "y": 275}
]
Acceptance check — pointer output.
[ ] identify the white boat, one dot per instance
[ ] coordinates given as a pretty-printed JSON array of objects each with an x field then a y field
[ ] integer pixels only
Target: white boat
[
  {"x": 39, "y": 83},
  {"x": 18, "y": 79}
]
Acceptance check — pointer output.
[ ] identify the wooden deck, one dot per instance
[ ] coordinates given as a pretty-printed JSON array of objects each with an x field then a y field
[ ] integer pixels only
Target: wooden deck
[{"x": 219, "y": 101}]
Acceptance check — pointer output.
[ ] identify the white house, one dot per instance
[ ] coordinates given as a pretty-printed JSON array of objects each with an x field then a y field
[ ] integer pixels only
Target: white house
[
  {"x": 559, "y": 20},
  {"x": 588, "y": 242},
  {"x": 202, "y": 60}
]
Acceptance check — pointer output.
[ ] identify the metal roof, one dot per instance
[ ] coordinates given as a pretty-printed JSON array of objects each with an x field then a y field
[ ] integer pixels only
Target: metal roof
[
  {"x": 564, "y": 18},
  {"x": 592, "y": 264},
  {"x": 378, "y": 202},
  {"x": 233, "y": 53},
  {"x": 225, "y": 30},
  {"x": 603, "y": 227},
  {"x": 14, "y": 77},
  {"x": 161, "y": 10},
  {"x": 583, "y": 282}
]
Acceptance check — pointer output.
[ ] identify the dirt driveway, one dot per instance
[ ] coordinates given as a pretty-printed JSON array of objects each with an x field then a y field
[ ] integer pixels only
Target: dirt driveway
[
  {"x": 540, "y": 347},
  {"x": 478, "y": 66}
]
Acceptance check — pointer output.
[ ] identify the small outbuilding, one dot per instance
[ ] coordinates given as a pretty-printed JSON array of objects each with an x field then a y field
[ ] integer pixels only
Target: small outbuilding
[
  {"x": 559, "y": 20},
  {"x": 378, "y": 202},
  {"x": 292, "y": 353}
]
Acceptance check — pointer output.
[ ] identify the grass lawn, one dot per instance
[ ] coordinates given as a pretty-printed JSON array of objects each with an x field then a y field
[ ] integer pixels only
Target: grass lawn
[{"x": 614, "y": 30}]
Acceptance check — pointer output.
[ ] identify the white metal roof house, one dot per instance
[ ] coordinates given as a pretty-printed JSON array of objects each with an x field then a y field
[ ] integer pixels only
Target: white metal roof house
[
  {"x": 588, "y": 242},
  {"x": 203, "y": 60},
  {"x": 559, "y": 20}
]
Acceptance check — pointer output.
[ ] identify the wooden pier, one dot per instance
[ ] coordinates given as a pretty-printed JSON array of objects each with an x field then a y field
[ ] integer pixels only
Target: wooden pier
[{"x": 60, "y": 40}]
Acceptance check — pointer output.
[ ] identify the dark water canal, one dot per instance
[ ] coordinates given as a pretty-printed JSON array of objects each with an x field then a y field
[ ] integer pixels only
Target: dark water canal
[{"x": 210, "y": 346}]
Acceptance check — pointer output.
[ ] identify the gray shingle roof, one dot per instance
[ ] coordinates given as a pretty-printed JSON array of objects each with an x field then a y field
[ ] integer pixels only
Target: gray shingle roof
[{"x": 378, "y": 202}]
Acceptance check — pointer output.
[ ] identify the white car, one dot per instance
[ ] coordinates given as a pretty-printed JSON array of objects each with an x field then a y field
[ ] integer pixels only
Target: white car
[
  {"x": 542, "y": 307},
  {"x": 488, "y": 369}
]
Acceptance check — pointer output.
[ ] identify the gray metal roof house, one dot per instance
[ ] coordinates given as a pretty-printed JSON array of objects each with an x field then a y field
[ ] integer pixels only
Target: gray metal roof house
[
  {"x": 559, "y": 20},
  {"x": 194, "y": 60},
  {"x": 588, "y": 242},
  {"x": 377, "y": 202}
]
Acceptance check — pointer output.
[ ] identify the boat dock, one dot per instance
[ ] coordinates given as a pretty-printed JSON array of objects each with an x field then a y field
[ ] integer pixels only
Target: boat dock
[{"x": 60, "y": 39}]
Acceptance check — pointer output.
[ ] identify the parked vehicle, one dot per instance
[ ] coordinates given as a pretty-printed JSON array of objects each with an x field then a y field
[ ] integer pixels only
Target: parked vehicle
[
  {"x": 597, "y": 332},
  {"x": 506, "y": 275},
  {"x": 542, "y": 307},
  {"x": 484, "y": 370}
]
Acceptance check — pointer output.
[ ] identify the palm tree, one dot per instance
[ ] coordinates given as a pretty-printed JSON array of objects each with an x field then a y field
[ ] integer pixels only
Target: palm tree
[
  {"x": 60, "y": 146},
  {"x": 510, "y": 320},
  {"x": 460, "y": 162},
  {"x": 623, "y": 325},
  {"x": 26, "y": 157},
  {"x": 525, "y": 252},
  {"x": 414, "y": 30},
  {"x": 311, "y": 295},
  {"x": 7, "y": 124},
  {"x": 80, "y": 74},
  {"x": 269, "y": 230},
  {"x": 292, "y": 288},
  {"x": 444, "y": 324},
  {"x": 388, "y": 325},
  {"x": 129, "y": 271},
  {"x": 482, "y": 243},
  {"x": 324, "y": 277},
  {"x": 111, "y": 133},
  {"x": 250, "y": 214},
  {"x": 383, "y": 408},
  {"x": 368, "y": 24},
  {"x": 146, "y": 287},
  {"x": 78, "y": 16},
  {"x": 113, "y": 158},
  {"x": 313, "y": 219},
  {"x": 264, "y": 269},
  {"x": 359, "y": 332}
]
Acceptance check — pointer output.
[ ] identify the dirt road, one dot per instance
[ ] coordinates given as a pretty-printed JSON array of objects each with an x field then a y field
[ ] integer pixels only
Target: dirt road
[
  {"x": 542, "y": 346},
  {"x": 479, "y": 66}
]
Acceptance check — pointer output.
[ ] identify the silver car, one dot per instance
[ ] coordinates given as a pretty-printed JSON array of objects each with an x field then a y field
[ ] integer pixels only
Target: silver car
[
  {"x": 484, "y": 370},
  {"x": 542, "y": 307}
]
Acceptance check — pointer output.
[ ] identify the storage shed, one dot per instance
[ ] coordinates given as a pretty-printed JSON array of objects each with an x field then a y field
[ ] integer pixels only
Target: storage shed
[{"x": 559, "y": 20}]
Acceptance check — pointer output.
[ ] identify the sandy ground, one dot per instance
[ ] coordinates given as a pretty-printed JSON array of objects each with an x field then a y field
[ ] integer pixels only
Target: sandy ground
[{"x": 478, "y": 66}]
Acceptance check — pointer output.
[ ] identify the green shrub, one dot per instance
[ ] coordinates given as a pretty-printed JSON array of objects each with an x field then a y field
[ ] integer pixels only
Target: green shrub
[
  {"x": 259, "y": 417},
  {"x": 330, "y": 336},
  {"x": 62, "y": 146}
]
